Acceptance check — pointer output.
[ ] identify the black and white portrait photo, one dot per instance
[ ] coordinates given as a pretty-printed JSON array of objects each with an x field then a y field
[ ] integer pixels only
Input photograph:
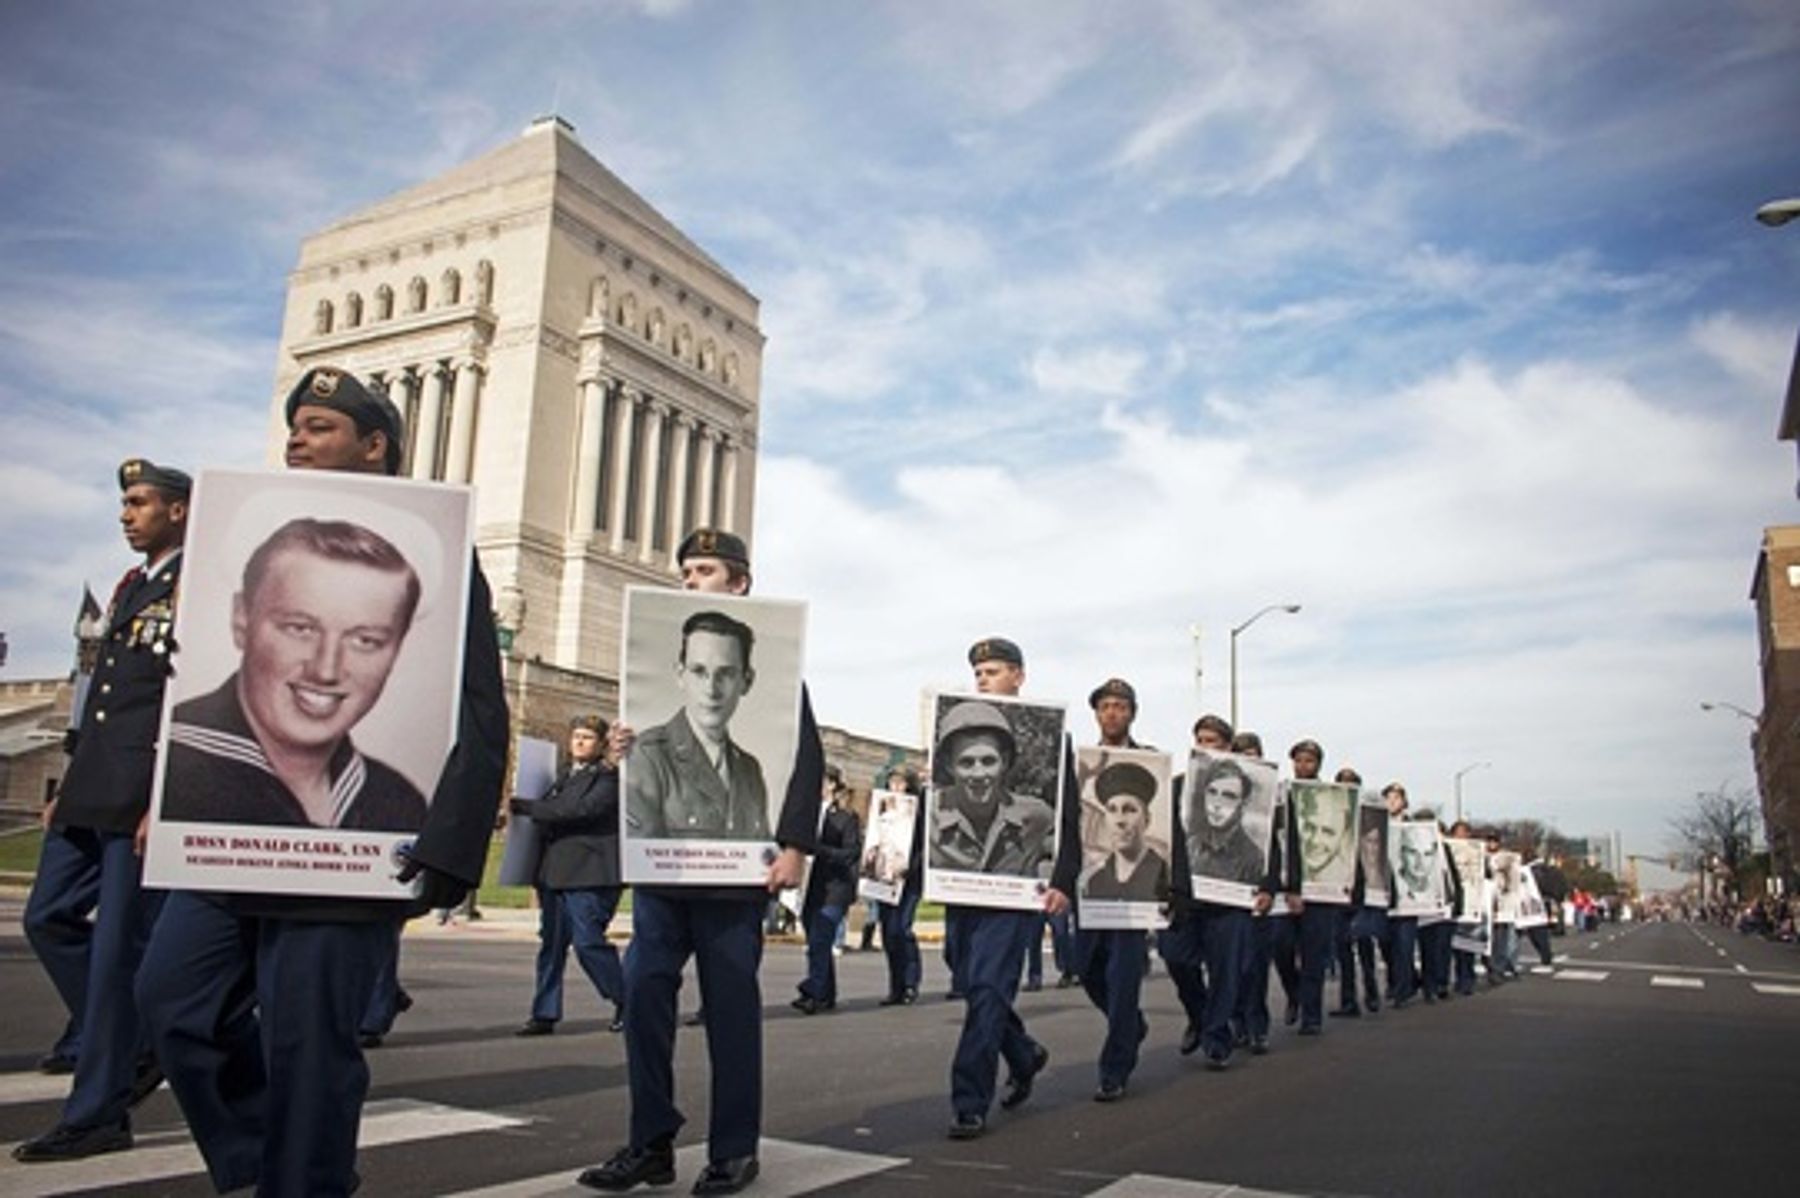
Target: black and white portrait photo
[
  {"x": 1417, "y": 868},
  {"x": 1228, "y": 816},
  {"x": 1325, "y": 818},
  {"x": 1475, "y": 915},
  {"x": 319, "y": 647},
  {"x": 1533, "y": 913},
  {"x": 1372, "y": 849},
  {"x": 996, "y": 773},
  {"x": 887, "y": 845},
  {"x": 1125, "y": 834},
  {"x": 712, "y": 687},
  {"x": 1507, "y": 868}
]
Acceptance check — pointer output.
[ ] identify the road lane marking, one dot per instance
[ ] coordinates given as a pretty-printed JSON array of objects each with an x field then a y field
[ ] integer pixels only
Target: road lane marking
[
  {"x": 788, "y": 1168},
  {"x": 16, "y": 1088},
  {"x": 1149, "y": 1185},
  {"x": 1543, "y": 969},
  {"x": 1720, "y": 951},
  {"x": 1706, "y": 970},
  {"x": 1768, "y": 988},
  {"x": 170, "y": 1154},
  {"x": 1663, "y": 979},
  {"x": 1593, "y": 944},
  {"x": 1740, "y": 969},
  {"x": 1559, "y": 958},
  {"x": 1581, "y": 975}
]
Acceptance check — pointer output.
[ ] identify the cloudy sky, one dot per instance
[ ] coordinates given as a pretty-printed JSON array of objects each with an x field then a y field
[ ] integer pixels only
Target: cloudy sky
[{"x": 1089, "y": 324}]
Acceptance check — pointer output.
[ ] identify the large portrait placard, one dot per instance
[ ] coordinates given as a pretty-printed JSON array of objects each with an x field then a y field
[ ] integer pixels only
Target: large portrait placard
[
  {"x": 1416, "y": 858},
  {"x": 991, "y": 815},
  {"x": 1325, "y": 822},
  {"x": 1372, "y": 820},
  {"x": 534, "y": 771},
  {"x": 1507, "y": 886},
  {"x": 1532, "y": 911},
  {"x": 1229, "y": 812},
  {"x": 1126, "y": 825},
  {"x": 711, "y": 684},
  {"x": 887, "y": 846},
  {"x": 1475, "y": 915},
  {"x": 319, "y": 669}
]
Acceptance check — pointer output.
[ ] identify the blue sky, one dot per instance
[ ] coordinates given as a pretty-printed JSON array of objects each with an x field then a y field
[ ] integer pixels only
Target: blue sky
[{"x": 1087, "y": 323}]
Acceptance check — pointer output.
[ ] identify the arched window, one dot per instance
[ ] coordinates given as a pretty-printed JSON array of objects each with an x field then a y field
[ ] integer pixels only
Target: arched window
[
  {"x": 415, "y": 295},
  {"x": 322, "y": 318},
  {"x": 450, "y": 288},
  {"x": 384, "y": 302},
  {"x": 598, "y": 291},
  {"x": 484, "y": 282},
  {"x": 352, "y": 310}
]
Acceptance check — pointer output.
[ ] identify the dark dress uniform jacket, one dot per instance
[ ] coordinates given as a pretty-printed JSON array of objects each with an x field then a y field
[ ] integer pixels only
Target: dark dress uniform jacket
[
  {"x": 579, "y": 821},
  {"x": 107, "y": 785},
  {"x": 833, "y": 879}
]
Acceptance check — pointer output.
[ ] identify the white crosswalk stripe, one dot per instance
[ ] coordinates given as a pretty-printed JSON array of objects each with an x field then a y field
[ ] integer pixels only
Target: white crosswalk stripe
[
  {"x": 19, "y": 1088},
  {"x": 1148, "y": 1185},
  {"x": 1581, "y": 975},
  {"x": 1774, "y": 988},
  {"x": 1663, "y": 979},
  {"x": 787, "y": 1168},
  {"x": 172, "y": 1154}
]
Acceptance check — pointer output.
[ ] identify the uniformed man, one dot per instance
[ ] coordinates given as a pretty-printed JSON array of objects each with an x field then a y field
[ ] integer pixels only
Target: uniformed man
[
  {"x": 254, "y": 1000},
  {"x": 1250, "y": 1019},
  {"x": 1314, "y": 923},
  {"x": 830, "y": 889},
  {"x": 578, "y": 879},
  {"x": 986, "y": 946},
  {"x": 722, "y": 928},
  {"x": 88, "y": 918}
]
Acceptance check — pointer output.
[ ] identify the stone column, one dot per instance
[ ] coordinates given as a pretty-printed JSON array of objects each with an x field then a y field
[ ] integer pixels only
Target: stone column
[
  {"x": 586, "y": 508},
  {"x": 459, "y": 462},
  {"x": 656, "y": 415},
  {"x": 728, "y": 477},
  {"x": 430, "y": 419},
  {"x": 621, "y": 469},
  {"x": 703, "y": 490},
  {"x": 678, "y": 471},
  {"x": 398, "y": 386}
]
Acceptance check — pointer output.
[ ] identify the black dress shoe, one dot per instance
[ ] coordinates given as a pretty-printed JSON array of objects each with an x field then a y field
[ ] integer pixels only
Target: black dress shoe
[
  {"x": 953, "y": 996},
  {"x": 1374, "y": 1002},
  {"x": 1033, "y": 985},
  {"x": 618, "y": 1021},
  {"x": 403, "y": 1002},
  {"x": 1292, "y": 1015},
  {"x": 808, "y": 1005},
  {"x": 1240, "y": 1037},
  {"x": 631, "y": 1167},
  {"x": 1218, "y": 1059},
  {"x": 1109, "y": 1092},
  {"x": 1259, "y": 1045},
  {"x": 1309, "y": 1029},
  {"x": 1018, "y": 1086},
  {"x": 56, "y": 1062},
  {"x": 1190, "y": 1039},
  {"x": 369, "y": 1039},
  {"x": 726, "y": 1177},
  {"x": 62, "y": 1143},
  {"x": 967, "y": 1127},
  {"x": 1349, "y": 1011},
  {"x": 694, "y": 1020},
  {"x": 144, "y": 1081},
  {"x": 536, "y": 1027}
]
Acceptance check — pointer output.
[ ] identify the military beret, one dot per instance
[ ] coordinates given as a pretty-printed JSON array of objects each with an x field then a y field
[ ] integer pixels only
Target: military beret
[
  {"x": 728, "y": 547},
  {"x": 1113, "y": 688},
  {"x": 588, "y": 723},
  {"x": 1306, "y": 746},
  {"x": 341, "y": 391},
  {"x": 164, "y": 478},
  {"x": 1125, "y": 778},
  {"x": 995, "y": 648},
  {"x": 972, "y": 715}
]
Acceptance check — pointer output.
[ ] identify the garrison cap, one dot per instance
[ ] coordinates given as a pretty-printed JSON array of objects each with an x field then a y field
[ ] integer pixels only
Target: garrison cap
[
  {"x": 996, "y": 648},
  {"x": 164, "y": 478},
  {"x": 972, "y": 715},
  {"x": 1125, "y": 778},
  {"x": 728, "y": 547},
  {"x": 341, "y": 391},
  {"x": 1307, "y": 746},
  {"x": 1113, "y": 688}
]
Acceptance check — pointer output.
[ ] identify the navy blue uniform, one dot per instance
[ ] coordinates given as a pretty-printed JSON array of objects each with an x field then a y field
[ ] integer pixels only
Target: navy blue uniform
[
  {"x": 254, "y": 1001},
  {"x": 898, "y": 943},
  {"x": 830, "y": 889},
  {"x": 88, "y": 917},
  {"x": 578, "y": 884},
  {"x": 1208, "y": 948}
]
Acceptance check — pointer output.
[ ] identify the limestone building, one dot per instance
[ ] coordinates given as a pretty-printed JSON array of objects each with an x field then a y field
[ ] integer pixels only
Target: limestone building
[
  {"x": 553, "y": 340},
  {"x": 1775, "y": 589}
]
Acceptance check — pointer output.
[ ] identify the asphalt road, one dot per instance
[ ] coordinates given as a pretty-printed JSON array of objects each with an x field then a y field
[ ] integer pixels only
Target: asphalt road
[{"x": 1655, "y": 1059}]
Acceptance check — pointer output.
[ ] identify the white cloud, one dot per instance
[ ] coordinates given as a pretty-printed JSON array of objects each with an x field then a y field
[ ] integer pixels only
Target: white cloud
[
  {"x": 1757, "y": 354},
  {"x": 1100, "y": 369}
]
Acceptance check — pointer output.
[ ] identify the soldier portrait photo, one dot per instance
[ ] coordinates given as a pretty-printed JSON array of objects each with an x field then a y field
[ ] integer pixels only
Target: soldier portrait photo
[
  {"x": 1507, "y": 868},
  {"x": 996, "y": 769},
  {"x": 713, "y": 682},
  {"x": 1126, "y": 826},
  {"x": 318, "y": 644},
  {"x": 1228, "y": 815},
  {"x": 1325, "y": 816},
  {"x": 887, "y": 848},
  {"x": 1418, "y": 885},
  {"x": 1372, "y": 849}
]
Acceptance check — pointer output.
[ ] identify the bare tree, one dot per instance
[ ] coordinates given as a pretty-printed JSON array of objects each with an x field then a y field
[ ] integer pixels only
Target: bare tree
[{"x": 1720, "y": 828}]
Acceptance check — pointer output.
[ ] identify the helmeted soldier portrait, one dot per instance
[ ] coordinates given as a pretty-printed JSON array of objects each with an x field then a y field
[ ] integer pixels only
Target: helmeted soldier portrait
[
  {"x": 688, "y": 777},
  {"x": 979, "y": 824},
  {"x": 1228, "y": 817}
]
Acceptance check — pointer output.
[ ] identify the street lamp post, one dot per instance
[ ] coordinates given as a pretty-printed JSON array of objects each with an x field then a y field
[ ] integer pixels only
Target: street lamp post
[
  {"x": 1290, "y": 609},
  {"x": 1731, "y": 707},
  {"x": 1467, "y": 769}
]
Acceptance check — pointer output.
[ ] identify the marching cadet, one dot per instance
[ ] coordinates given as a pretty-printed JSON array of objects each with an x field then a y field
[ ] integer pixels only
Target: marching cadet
[
  {"x": 989, "y": 944},
  {"x": 1316, "y": 922},
  {"x": 253, "y": 1000},
  {"x": 1250, "y": 1018},
  {"x": 88, "y": 917},
  {"x": 1344, "y": 935},
  {"x": 830, "y": 889},
  {"x": 1111, "y": 963},
  {"x": 720, "y": 926},
  {"x": 898, "y": 943}
]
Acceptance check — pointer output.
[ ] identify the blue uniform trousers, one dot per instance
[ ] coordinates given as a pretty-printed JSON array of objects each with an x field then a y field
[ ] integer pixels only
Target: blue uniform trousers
[
  {"x": 1111, "y": 965},
  {"x": 1405, "y": 929},
  {"x": 92, "y": 962},
  {"x": 254, "y": 1020},
  {"x": 899, "y": 944},
  {"x": 724, "y": 936},
  {"x": 822, "y": 928},
  {"x": 1465, "y": 972},
  {"x": 1225, "y": 937},
  {"x": 384, "y": 1000},
  {"x": 1318, "y": 925},
  {"x": 1369, "y": 927},
  {"x": 1251, "y": 1015},
  {"x": 1284, "y": 952},
  {"x": 988, "y": 952},
  {"x": 578, "y": 919},
  {"x": 1434, "y": 955},
  {"x": 1182, "y": 949}
]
